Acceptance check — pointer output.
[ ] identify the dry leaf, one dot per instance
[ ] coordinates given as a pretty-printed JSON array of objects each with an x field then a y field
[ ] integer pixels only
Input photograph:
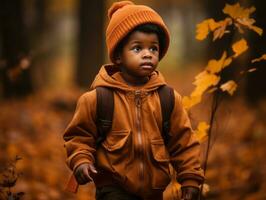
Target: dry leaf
[
  {"x": 208, "y": 25},
  {"x": 239, "y": 47},
  {"x": 229, "y": 86},
  {"x": 227, "y": 62},
  {"x": 202, "y": 30},
  {"x": 205, "y": 27},
  {"x": 238, "y": 26},
  {"x": 257, "y": 30},
  {"x": 203, "y": 81},
  {"x": 202, "y": 131},
  {"x": 218, "y": 33},
  {"x": 236, "y": 11},
  {"x": 248, "y": 23},
  {"x": 263, "y": 57},
  {"x": 242, "y": 17},
  {"x": 215, "y": 66},
  {"x": 221, "y": 29},
  {"x": 206, "y": 78},
  {"x": 189, "y": 102}
]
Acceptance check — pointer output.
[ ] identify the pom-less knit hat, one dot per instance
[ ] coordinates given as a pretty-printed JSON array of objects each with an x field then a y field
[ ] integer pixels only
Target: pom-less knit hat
[{"x": 124, "y": 16}]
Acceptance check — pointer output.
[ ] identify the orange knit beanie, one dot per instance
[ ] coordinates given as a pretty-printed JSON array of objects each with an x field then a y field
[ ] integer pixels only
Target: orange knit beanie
[{"x": 124, "y": 16}]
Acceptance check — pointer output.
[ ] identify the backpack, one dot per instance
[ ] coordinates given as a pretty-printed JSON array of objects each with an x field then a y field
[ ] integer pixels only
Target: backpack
[{"x": 105, "y": 110}]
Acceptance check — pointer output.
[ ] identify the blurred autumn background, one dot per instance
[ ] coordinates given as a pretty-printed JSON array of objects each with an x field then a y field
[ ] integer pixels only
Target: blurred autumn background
[{"x": 51, "y": 50}]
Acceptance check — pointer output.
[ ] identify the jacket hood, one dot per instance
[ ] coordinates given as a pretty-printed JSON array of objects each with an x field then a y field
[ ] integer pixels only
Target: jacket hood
[{"x": 110, "y": 76}]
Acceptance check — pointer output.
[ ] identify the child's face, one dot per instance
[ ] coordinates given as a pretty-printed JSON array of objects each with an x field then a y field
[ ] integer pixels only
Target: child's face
[{"x": 139, "y": 57}]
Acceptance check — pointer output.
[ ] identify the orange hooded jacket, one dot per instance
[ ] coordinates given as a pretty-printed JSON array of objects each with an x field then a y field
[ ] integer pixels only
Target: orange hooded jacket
[{"x": 133, "y": 154}]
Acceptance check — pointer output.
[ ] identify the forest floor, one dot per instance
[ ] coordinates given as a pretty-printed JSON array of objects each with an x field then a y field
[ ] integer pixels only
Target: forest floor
[{"x": 32, "y": 129}]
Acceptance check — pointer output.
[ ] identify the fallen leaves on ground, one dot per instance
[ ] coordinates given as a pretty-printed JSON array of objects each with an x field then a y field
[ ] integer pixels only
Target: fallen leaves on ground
[{"x": 32, "y": 128}]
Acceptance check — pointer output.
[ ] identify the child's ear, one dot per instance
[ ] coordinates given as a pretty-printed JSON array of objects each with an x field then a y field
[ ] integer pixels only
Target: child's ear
[{"x": 118, "y": 60}]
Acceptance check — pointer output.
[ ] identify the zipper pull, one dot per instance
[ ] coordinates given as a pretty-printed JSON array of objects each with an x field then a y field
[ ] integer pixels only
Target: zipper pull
[{"x": 138, "y": 98}]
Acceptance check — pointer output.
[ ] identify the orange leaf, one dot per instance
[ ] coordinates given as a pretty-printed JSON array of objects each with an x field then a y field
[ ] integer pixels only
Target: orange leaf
[
  {"x": 204, "y": 28},
  {"x": 203, "y": 81},
  {"x": 257, "y": 30},
  {"x": 189, "y": 102},
  {"x": 248, "y": 23},
  {"x": 229, "y": 86},
  {"x": 239, "y": 47},
  {"x": 215, "y": 66},
  {"x": 221, "y": 29},
  {"x": 236, "y": 11},
  {"x": 202, "y": 131},
  {"x": 227, "y": 62},
  {"x": 213, "y": 24},
  {"x": 263, "y": 57}
]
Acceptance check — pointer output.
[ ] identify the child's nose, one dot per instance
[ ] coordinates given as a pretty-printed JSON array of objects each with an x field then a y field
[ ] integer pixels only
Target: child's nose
[{"x": 146, "y": 53}]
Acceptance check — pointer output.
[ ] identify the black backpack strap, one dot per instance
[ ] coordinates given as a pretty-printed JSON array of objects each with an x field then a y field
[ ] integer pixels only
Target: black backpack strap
[
  {"x": 105, "y": 110},
  {"x": 167, "y": 100}
]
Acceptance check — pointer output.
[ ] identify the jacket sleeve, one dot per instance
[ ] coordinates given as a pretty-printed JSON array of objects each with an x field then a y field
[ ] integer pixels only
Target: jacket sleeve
[
  {"x": 81, "y": 132},
  {"x": 183, "y": 147}
]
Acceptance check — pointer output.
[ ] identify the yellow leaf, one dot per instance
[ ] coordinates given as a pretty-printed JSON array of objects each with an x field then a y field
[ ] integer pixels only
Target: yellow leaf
[
  {"x": 263, "y": 57},
  {"x": 248, "y": 23},
  {"x": 221, "y": 28},
  {"x": 245, "y": 21},
  {"x": 213, "y": 24},
  {"x": 227, "y": 62},
  {"x": 215, "y": 66},
  {"x": 257, "y": 30},
  {"x": 204, "y": 28},
  {"x": 203, "y": 81},
  {"x": 202, "y": 131},
  {"x": 229, "y": 86},
  {"x": 206, "y": 78},
  {"x": 239, "y": 47},
  {"x": 218, "y": 33},
  {"x": 189, "y": 102},
  {"x": 236, "y": 11}
]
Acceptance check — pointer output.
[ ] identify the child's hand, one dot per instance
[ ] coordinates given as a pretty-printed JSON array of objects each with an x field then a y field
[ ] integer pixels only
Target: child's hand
[
  {"x": 82, "y": 173},
  {"x": 189, "y": 193}
]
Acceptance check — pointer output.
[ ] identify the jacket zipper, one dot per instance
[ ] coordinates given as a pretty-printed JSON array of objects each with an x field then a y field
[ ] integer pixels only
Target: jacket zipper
[{"x": 139, "y": 135}]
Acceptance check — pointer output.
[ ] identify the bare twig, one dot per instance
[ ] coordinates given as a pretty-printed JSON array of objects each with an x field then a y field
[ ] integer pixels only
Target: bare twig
[{"x": 215, "y": 104}]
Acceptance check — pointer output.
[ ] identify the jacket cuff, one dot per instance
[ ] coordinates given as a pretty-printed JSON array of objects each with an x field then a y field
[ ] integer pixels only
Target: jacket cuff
[
  {"x": 190, "y": 180},
  {"x": 190, "y": 183},
  {"x": 78, "y": 160}
]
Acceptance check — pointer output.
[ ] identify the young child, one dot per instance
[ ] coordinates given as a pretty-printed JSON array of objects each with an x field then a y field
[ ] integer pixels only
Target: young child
[{"x": 133, "y": 160}]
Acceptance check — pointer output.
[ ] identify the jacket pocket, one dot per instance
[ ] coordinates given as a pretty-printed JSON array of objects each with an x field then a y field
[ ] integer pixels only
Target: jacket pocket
[
  {"x": 115, "y": 140},
  {"x": 161, "y": 172},
  {"x": 113, "y": 158}
]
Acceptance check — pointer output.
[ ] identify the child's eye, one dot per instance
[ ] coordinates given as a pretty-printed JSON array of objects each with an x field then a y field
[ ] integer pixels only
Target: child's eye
[
  {"x": 154, "y": 49},
  {"x": 136, "y": 49}
]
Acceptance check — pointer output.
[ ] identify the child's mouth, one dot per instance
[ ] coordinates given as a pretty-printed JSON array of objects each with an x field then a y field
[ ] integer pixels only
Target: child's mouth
[{"x": 146, "y": 65}]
